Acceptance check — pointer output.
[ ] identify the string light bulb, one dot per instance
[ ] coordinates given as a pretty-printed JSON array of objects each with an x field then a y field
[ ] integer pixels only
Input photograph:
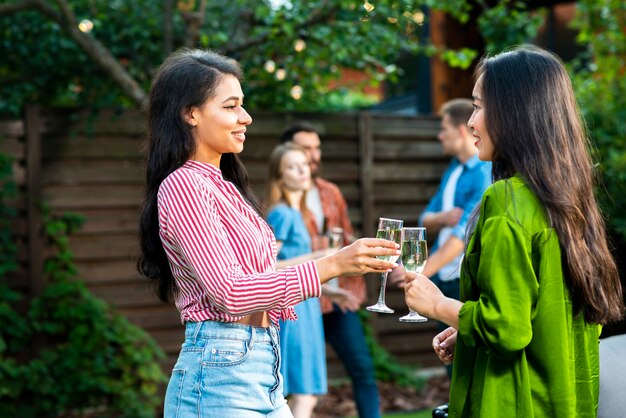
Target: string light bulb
[
  {"x": 270, "y": 66},
  {"x": 296, "y": 92},
  {"x": 85, "y": 26},
  {"x": 299, "y": 45}
]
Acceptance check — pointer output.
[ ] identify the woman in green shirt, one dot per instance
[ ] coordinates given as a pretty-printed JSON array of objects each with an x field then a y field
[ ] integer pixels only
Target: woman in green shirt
[{"x": 537, "y": 280}]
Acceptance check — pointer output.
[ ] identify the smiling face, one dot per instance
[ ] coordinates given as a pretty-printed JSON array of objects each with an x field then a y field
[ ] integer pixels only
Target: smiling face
[
  {"x": 478, "y": 126},
  {"x": 219, "y": 125},
  {"x": 295, "y": 171},
  {"x": 311, "y": 143},
  {"x": 450, "y": 136}
]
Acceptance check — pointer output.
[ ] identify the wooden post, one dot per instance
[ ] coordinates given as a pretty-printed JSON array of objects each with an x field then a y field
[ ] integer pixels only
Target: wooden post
[
  {"x": 446, "y": 32},
  {"x": 33, "y": 129},
  {"x": 366, "y": 157},
  {"x": 439, "y": 71}
]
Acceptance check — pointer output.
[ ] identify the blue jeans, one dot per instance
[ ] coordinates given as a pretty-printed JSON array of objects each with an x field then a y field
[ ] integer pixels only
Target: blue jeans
[
  {"x": 344, "y": 333},
  {"x": 227, "y": 370}
]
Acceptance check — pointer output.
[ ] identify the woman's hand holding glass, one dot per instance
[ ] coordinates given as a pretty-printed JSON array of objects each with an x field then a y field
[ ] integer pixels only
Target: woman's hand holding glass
[
  {"x": 414, "y": 255},
  {"x": 365, "y": 255},
  {"x": 421, "y": 294}
]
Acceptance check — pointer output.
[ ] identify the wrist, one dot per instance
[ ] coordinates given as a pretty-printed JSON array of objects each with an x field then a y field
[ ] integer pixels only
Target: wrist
[
  {"x": 327, "y": 268},
  {"x": 446, "y": 310}
]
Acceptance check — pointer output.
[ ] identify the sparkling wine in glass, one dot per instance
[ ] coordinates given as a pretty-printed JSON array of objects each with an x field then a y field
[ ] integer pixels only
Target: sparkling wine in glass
[
  {"x": 335, "y": 237},
  {"x": 335, "y": 240},
  {"x": 390, "y": 229},
  {"x": 414, "y": 256}
]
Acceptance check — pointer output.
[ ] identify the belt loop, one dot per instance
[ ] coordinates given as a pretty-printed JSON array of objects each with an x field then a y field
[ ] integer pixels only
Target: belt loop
[
  {"x": 252, "y": 336},
  {"x": 197, "y": 331}
]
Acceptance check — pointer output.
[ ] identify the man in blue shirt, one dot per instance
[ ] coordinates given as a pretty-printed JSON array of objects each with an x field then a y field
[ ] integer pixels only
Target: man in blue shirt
[
  {"x": 449, "y": 210},
  {"x": 461, "y": 189}
]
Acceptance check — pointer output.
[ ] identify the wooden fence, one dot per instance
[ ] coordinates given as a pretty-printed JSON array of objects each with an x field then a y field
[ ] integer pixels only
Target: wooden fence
[{"x": 93, "y": 165}]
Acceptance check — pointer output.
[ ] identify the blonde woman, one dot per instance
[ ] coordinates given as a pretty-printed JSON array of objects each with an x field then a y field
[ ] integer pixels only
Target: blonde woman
[{"x": 302, "y": 342}]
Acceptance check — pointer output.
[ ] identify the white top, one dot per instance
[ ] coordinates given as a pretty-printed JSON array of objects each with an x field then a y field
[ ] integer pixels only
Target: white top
[{"x": 452, "y": 270}]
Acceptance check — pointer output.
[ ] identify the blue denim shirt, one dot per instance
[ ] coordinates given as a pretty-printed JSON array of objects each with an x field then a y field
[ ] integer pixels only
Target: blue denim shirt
[{"x": 472, "y": 183}]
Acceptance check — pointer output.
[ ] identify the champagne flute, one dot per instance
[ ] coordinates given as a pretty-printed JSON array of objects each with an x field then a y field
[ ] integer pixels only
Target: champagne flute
[
  {"x": 335, "y": 237},
  {"x": 414, "y": 255},
  {"x": 335, "y": 240},
  {"x": 390, "y": 229}
]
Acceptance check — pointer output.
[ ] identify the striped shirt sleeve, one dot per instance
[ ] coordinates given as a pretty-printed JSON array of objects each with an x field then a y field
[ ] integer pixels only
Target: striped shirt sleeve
[{"x": 215, "y": 252}]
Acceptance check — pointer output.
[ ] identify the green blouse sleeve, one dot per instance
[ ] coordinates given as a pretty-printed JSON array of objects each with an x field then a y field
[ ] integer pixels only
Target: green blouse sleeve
[{"x": 500, "y": 318}]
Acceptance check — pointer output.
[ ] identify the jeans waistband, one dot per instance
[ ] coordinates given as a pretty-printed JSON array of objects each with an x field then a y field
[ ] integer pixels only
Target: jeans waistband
[{"x": 216, "y": 329}]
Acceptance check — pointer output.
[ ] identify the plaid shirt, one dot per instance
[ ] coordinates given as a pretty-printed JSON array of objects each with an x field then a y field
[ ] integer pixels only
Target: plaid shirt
[{"x": 335, "y": 211}]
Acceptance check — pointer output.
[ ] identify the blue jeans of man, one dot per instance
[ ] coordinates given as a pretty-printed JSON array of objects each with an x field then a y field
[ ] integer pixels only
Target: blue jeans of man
[{"x": 344, "y": 332}]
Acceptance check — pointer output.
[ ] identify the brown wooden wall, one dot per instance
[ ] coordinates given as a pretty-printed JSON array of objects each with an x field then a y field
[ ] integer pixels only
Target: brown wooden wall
[{"x": 386, "y": 166}]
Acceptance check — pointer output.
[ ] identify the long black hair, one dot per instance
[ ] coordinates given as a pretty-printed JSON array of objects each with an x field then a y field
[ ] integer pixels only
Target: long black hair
[
  {"x": 534, "y": 122},
  {"x": 186, "y": 79}
]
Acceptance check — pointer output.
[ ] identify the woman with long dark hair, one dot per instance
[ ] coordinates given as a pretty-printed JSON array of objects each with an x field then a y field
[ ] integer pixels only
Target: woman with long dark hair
[
  {"x": 207, "y": 247},
  {"x": 537, "y": 279}
]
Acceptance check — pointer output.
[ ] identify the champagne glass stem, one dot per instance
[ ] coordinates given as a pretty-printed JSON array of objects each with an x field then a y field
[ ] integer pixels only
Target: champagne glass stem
[
  {"x": 383, "y": 287},
  {"x": 380, "y": 306}
]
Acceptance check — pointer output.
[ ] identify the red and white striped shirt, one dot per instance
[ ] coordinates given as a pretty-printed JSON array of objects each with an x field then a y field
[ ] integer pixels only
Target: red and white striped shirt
[{"x": 222, "y": 253}]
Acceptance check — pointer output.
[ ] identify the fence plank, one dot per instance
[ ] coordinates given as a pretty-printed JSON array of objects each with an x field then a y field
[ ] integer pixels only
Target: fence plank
[
  {"x": 93, "y": 172},
  {"x": 366, "y": 160},
  {"x": 103, "y": 247},
  {"x": 33, "y": 195},
  {"x": 11, "y": 146},
  {"x": 14, "y": 128},
  {"x": 92, "y": 148},
  {"x": 163, "y": 316},
  {"x": 79, "y": 196},
  {"x": 114, "y": 271}
]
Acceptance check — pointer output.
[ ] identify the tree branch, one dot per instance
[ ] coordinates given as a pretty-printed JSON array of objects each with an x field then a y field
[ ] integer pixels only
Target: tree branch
[
  {"x": 320, "y": 15},
  {"x": 195, "y": 20},
  {"x": 37, "y": 5},
  {"x": 98, "y": 52},
  {"x": 101, "y": 55},
  {"x": 168, "y": 25}
]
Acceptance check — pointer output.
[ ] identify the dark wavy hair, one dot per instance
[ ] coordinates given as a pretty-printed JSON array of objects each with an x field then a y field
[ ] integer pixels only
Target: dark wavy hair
[
  {"x": 459, "y": 111},
  {"x": 186, "y": 79},
  {"x": 537, "y": 130},
  {"x": 300, "y": 126}
]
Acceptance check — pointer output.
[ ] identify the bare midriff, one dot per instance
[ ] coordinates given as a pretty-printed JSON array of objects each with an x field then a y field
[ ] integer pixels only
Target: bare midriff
[{"x": 257, "y": 319}]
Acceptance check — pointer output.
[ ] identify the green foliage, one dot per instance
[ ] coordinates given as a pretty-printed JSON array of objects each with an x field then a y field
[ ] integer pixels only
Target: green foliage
[
  {"x": 7, "y": 213},
  {"x": 508, "y": 23},
  {"x": 89, "y": 358},
  {"x": 600, "y": 83},
  {"x": 66, "y": 353},
  {"x": 334, "y": 34},
  {"x": 461, "y": 58},
  {"x": 387, "y": 367},
  {"x": 42, "y": 64}
]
